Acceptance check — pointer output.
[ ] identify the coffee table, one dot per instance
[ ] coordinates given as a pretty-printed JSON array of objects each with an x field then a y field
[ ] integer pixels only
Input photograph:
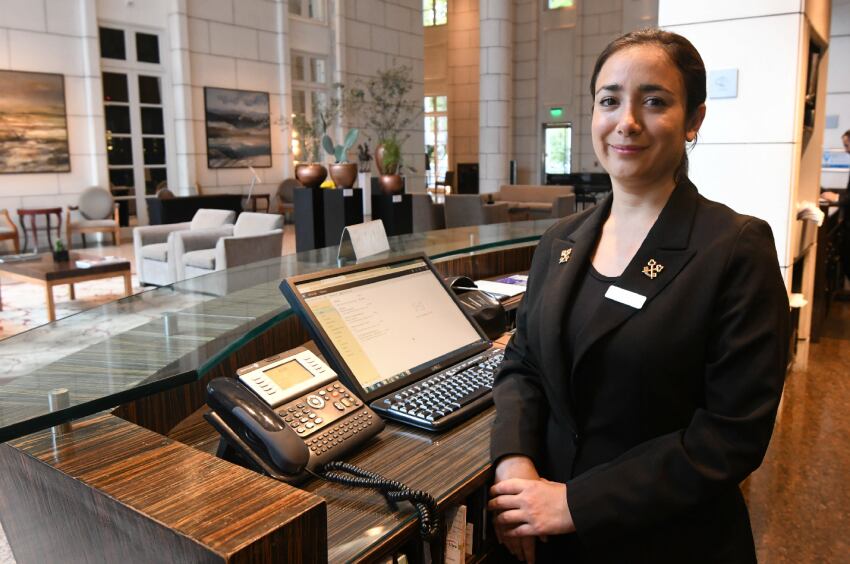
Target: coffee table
[{"x": 49, "y": 274}]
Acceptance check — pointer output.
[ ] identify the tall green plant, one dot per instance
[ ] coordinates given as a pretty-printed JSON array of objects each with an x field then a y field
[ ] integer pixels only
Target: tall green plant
[
  {"x": 389, "y": 109},
  {"x": 308, "y": 137},
  {"x": 343, "y": 105}
]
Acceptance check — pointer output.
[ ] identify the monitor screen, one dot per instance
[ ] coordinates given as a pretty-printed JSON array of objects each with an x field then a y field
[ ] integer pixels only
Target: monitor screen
[{"x": 388, "y": 322}]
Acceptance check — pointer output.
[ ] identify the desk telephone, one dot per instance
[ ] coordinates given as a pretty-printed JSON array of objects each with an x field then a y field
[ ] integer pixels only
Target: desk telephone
[
  {"x": 291, "y": 413},
  {"x": 289, "y": 417}
]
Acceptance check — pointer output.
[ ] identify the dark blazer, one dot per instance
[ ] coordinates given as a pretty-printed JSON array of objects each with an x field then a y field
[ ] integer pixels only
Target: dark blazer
[{"x": 662, "y": 411}]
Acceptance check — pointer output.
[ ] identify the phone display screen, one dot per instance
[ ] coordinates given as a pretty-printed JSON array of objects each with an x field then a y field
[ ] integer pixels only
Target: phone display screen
[{"x": 288, "y": 374}]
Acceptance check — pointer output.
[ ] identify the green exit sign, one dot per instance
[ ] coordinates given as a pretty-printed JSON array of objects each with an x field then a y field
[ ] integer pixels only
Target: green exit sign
[{"x": 556, "y": 112}]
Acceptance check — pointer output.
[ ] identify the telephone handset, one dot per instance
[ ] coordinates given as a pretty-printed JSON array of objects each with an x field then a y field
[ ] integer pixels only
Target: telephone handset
[
  {"x": 290, "y": 418},
  {"x": 288, "y": 413}
]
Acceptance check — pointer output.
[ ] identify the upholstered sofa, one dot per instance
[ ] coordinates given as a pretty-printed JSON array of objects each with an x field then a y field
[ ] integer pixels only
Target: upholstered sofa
[
  {"x": 156, "y": 246},
  {"x": 255, "y": 237},
  {"x": 528, "y": 201}
]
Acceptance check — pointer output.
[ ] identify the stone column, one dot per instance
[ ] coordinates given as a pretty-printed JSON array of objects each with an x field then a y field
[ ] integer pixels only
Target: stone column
[{"x": 494, "y": 109}]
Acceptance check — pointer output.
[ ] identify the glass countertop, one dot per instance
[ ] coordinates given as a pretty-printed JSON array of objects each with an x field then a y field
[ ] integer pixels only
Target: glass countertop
[{"x": 165, "y": 337}]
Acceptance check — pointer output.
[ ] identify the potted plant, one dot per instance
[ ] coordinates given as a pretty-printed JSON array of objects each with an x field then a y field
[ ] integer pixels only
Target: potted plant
[
  {"x": 389, "y": 167},
  {"x": 310, "y": 173},
  {"x": 390, "y": 111},
  {"x": 60, "y": 253},
  {"x": 343, "y": 172}
]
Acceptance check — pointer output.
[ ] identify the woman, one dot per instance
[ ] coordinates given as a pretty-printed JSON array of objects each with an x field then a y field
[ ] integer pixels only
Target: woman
[{"x": 642, "y": 383}]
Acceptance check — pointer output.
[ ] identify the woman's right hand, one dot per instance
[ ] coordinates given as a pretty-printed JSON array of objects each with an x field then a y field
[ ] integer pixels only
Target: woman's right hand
[{"x": 509, "y": 467}]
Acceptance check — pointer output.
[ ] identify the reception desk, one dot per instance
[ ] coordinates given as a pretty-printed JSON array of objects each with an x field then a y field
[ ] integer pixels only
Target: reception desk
[{"x": 128, "y": 474}]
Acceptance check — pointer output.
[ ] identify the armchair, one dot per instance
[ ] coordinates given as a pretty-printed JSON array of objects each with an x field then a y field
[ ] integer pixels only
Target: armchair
[
  {"x": 96, "y": 212},
  {"x": 468, "y": 209},
  {"x": 255, "y": 237},
  {"x": 427, "y": 216},
  {"x": 154, "y": 245},
  {"x": 286, "y": 196},
  {"x": 9, "y": 231},
  {"x": 447, "y": 185}
]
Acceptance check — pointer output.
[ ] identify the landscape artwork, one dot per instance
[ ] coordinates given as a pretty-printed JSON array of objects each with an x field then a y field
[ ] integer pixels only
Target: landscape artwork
[
  {"x": 33, "y": 126},
  {"x": 238, "y": 128}
]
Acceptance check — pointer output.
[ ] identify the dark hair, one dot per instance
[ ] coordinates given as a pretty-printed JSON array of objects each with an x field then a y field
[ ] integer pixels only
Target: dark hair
[
  {"x": 682, "y": 53},
  {"x": 846, "y": 133}
]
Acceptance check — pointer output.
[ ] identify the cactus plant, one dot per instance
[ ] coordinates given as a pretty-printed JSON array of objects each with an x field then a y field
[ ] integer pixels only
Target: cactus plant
[{"x": 340, "y": 152}]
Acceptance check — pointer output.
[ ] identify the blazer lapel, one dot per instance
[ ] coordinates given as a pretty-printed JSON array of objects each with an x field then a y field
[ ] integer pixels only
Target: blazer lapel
[
  {"x": 667, "y": 245},
  {"x": 567, "y": 260}
]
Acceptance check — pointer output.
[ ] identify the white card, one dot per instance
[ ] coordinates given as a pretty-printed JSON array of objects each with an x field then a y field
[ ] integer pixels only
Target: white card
[
  {"x": 363, "y": 240},
  {"x": 625, "y": 297}
]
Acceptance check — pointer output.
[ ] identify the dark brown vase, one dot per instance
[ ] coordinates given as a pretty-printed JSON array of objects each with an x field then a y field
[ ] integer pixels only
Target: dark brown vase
[
  {"x": 391, "y": 183},
  {"x": 380, "y": 151},
  {"x": 343, "y": 174},
  {"x": 310, "y": 175}
]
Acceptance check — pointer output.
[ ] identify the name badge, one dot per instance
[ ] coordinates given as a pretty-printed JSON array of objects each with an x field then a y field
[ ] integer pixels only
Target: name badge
[{"x": 631, "y": 299}]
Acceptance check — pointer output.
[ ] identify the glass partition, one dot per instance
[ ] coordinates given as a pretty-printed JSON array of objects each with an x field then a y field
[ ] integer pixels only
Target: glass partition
[{"x": 162, "y": 338}]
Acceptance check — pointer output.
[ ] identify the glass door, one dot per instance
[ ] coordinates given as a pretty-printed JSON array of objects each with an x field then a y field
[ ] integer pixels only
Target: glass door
[
  {"x": 135, "y": 120},
  {"x": 557, "y": 143}
]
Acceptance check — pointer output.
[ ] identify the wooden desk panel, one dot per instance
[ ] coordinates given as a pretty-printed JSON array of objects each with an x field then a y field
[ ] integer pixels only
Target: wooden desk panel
[{"x": 110, "y": 491}]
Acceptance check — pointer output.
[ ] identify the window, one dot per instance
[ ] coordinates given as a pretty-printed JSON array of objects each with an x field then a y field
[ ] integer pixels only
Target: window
[
  {"x": 312, "y": 9},
  {"x": 556, "y": 4},
  {"x": 147, "y": 48},
  {"x": 436, "y": 139},
  {"x": 309, "y": 88},
  {"x": 558, "y": 144},
  {"x": 112, "y": 44},
  {"x": 435, "y": 12}
]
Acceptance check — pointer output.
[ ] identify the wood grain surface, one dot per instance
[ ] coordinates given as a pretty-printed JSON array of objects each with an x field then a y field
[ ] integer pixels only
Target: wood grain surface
[{"x": 110, "y": 491}]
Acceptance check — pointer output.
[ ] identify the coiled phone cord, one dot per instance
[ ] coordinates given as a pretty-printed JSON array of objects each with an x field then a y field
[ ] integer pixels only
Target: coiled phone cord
[{"x": 350, "y": 475}]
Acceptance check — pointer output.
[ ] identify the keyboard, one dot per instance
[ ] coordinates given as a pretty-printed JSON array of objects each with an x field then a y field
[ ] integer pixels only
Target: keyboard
[{"x": 445, "y": 399}]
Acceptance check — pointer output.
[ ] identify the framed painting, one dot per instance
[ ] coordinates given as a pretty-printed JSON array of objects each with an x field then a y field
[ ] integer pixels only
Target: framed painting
[
  {"x": 33, "y": 125},
  {"x": 238, "y": 128}
]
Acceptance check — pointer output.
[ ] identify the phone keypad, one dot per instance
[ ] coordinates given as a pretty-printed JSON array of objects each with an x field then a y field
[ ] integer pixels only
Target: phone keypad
[
  {"x": 330, "y": 438},
  {"x": 318, "y": 409}
]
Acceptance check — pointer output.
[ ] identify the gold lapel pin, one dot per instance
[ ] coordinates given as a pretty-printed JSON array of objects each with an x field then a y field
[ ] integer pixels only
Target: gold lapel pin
[
  {"x": 565, "y": 256},
  {"x": 652, "y": 268}
]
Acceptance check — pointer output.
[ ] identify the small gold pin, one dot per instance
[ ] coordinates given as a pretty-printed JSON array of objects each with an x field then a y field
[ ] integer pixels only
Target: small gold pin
[
  {"x": 652, "y": 268},
  {"x": 565, "y": 256}
]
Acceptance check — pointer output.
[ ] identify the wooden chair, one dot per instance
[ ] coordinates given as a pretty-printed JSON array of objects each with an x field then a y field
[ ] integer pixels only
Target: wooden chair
[
  {"x": 9, "y": 231},
  {"x": 96, "y": 212}
]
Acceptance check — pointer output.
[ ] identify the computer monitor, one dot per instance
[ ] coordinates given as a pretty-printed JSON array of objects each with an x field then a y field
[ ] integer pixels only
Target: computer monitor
[{"x": 384, "y": 324}]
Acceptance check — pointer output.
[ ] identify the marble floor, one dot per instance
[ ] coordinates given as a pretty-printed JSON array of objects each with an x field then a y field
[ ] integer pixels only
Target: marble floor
[{"x": 799, "y": 499}]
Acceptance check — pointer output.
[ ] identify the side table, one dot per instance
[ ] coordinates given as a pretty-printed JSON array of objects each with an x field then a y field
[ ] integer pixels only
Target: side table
[{"x": 32, "y": 213}]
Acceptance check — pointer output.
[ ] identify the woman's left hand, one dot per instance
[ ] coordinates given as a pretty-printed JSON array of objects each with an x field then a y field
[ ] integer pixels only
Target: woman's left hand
[{"x": 531, "y": 507}]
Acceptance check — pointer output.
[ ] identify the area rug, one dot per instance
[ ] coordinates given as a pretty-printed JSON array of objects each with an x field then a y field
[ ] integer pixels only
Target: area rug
[{"x": 25, "y": 305}]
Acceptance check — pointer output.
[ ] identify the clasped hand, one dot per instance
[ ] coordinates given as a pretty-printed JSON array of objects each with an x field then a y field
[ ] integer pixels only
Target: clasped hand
[
  {"x": 530, "y": 507},
  {"x": 526, "y": 506}
]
